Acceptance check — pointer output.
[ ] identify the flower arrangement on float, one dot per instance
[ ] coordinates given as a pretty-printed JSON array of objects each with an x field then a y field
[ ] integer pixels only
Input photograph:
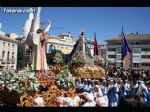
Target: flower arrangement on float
[{"x": 64, "y": 80}]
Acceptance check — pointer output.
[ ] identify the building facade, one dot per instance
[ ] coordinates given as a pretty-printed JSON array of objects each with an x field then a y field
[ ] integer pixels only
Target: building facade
[
  {"x": 63, "y": 42},
  {"x": 140, "y": 44},
  {"x": 24, "y": 56},
  {"x": 91, "y": 46},
  {"x": 8, "y": 51},
  {"x": 102, "y": 51}
]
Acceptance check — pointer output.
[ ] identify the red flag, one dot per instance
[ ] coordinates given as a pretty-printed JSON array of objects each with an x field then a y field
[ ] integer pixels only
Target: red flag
[{"x": 95, "y": 45}]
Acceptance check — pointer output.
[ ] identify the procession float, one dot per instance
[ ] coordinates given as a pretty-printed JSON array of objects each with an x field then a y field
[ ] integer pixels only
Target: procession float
[
  {"x": 38, "y": 86},
  {"x": 82, "y": 64}
]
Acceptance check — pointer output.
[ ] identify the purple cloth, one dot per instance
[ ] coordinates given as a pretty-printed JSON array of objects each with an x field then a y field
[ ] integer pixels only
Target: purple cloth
[{"x": 125, "y": 47}]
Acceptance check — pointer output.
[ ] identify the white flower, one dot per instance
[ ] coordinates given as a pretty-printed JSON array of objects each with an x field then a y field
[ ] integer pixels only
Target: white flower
[
  {"x": 1, "y": 82},
  {"x": 63, "y": 83},
  {"x": 12, "y": 80},
  {"x": 58, "y": 81},
  {"x": 13, "y": 87}
]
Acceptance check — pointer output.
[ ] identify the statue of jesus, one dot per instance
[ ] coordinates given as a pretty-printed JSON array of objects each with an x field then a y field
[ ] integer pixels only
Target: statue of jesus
[{"x": 35, "y": 38}]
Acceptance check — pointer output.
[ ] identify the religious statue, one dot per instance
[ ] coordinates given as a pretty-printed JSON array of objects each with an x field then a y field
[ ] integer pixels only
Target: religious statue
[{"x": 35, "y": 38}]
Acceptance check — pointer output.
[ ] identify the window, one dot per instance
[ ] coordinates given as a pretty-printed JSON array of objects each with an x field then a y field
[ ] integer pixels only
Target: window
[
  {"x": 51, "y": 48},
  {"x": 111, "y": 49},
  {"x": 114, "y": 43},
  {"x": 3, "y": 54},
  {"x": 138, "y": 43},
  {"x": 103, "y": 51},
  {"x": 145, "y": 42},
  {"x": 111, "y": 56},
  {"x": 135, "y": 43},
  {"x": 89, "y": 45},
  {"x": 13, "y": 59},
  {"x": 136, "y": 65},
  {"x": 136, "y": 58},
  {"x": 111, "y": 64},
  {"x": 118, "y": 50},
  {"x": 3, "y": 43},
  {"x": 8, "y": 56},
  {"x": 12, "y": 55},
  {"x": 13, "y": 45},
  {"x": 118, "y": 57},
  {"x": 136, "y": 50},
  {"x": 145, "y": 64},
  {"x": 28, "y": 52},
  {"x": 145, "y": 49},
  {"x": 118, "y": 64},
  {"x": 146, "y": 56},
  {"x": 8, "y": 44}
]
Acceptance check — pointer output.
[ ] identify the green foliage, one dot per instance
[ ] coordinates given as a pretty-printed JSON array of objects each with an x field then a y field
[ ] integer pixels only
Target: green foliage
[
  {"x": 56, "y": 57},
  {"x": 65, "y": 81}
]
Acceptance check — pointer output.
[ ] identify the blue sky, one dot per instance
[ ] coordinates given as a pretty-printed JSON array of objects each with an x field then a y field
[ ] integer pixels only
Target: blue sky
[{"x": 105, "y": 21}]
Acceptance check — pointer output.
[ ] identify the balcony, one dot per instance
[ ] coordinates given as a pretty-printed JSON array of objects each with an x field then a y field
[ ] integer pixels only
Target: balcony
[
  {"x": 13, "y": 61},
  {"x": 9, "y": 60},
  {"x": 3, "y": 61},
  {"x": 111, "y": 60},
  {"x": 111, "y": 52},
  {"x": 145, "y": 52},
  {"x": 145, "y": 60}
]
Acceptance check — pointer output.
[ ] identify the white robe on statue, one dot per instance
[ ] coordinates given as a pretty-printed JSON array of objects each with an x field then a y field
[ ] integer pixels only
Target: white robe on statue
[
  {"x": 33, "y": 38},
  {"x": 37, "y": 54}
]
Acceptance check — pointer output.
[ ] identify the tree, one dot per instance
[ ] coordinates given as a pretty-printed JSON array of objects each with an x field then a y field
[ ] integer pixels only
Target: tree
[{"x": 56, "y": 57}]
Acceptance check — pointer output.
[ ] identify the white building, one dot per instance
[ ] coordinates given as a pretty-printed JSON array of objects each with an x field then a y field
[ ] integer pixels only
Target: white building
[
  {"x": 8, "y": 51},
  {"x": 91, "y": 46},
  {"x": 140, "y": 44},
  {"x": 63, "y": 42}
]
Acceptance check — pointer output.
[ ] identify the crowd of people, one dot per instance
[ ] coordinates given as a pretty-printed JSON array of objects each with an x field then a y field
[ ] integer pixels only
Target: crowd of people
[{"x": 119, "y": 88}]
